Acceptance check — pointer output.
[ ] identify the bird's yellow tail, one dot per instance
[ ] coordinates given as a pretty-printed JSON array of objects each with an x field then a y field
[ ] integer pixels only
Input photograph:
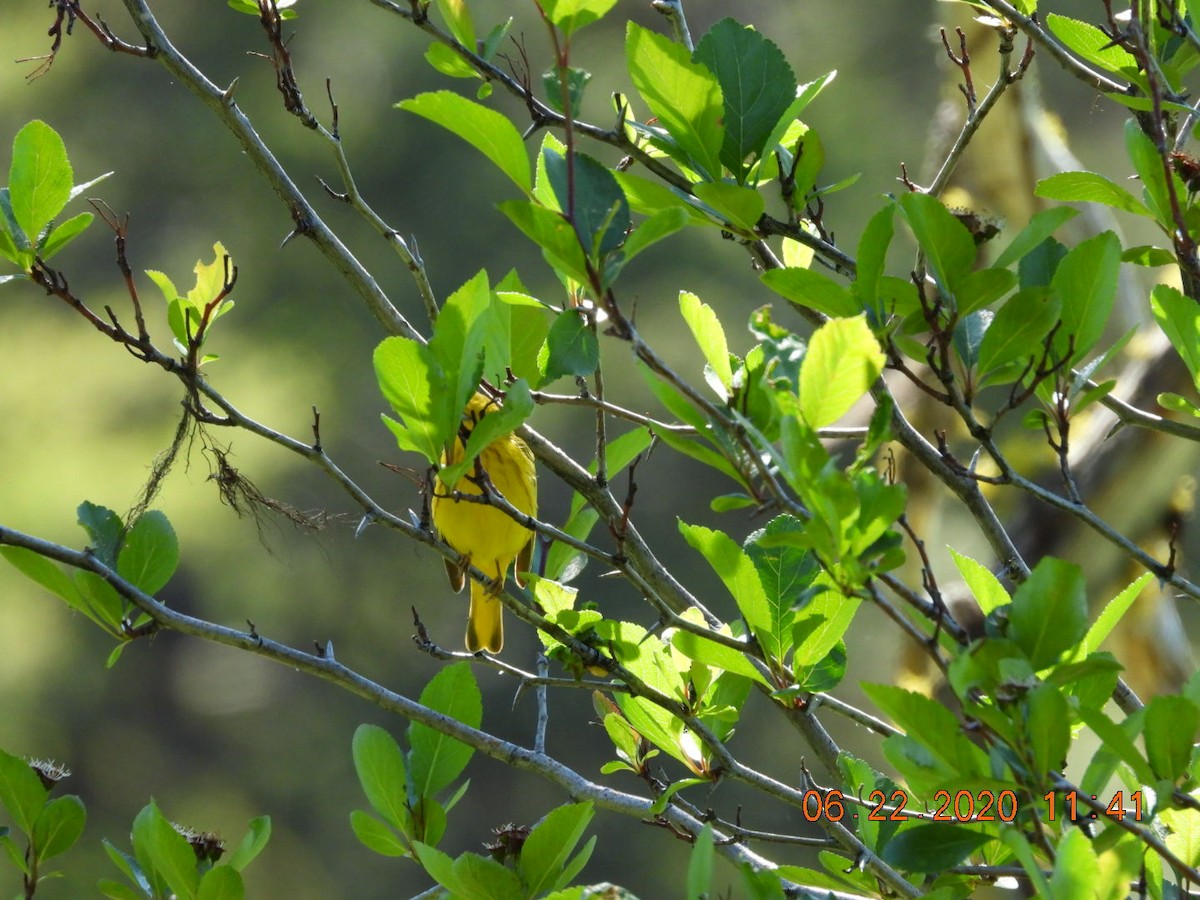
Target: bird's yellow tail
[{"x": 485, "y": 627}]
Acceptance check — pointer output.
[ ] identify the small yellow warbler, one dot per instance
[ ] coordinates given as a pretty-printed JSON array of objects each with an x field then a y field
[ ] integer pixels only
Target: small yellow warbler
[{"x": 486, "y": 536}]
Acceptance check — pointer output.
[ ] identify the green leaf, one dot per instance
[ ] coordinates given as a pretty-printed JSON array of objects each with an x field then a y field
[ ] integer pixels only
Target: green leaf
[
  {"x": 47, "y": 574},
  {"x": 696, "y": 647},
  {"x": 486, "y": 130},
  {"x": 447, "y": 61},
  {"x": 812, "y": 290},
  {"x": 1093, "y": 44},
  {"x": 661, "y": 224},
  {"x": 252, "y": 843},
  {"x": 21, "y": 792},
  {"x": 1041, "y": 225},
  {"x": 948, "y": 247},
  {"x": 872, "y": 256},
  {"x": 786, "y": 572},
  {"x": 1047, "y": 729},
  {"x": 1076, "y": 869},
  {"x": 1088, "y": 187},
  {"x": 409, "y": 378},
  {"x": 486, "y": 879},
  {"x": 1018, "y": 329},
  {"x": 934, "y": 726},
  {"x": 735, "y": 569},
  {"x": 1171, "y": 721},
  {"x": 700, "y": 865},
  {"x": 437, "y": 759},
  {"x": 1179, "y": 318},
  {"x": 549, "y": 846},
  {"x": 221, "y": 883},
  {"x": 842, "y": 362},
  {"x": 551, "y": 231},
  {"x": 1113, "y": 612},
  {"x": 571, "y": 347},
  {"x": 571, "y": 15},
  {"x": 577, "y": 81},
  {"x": 710, "y": 336},
  {"x": 1115, "y": 740},
  {"x": 1149, "y": 166},
  {"x": 58, "y": 826},
  {"x": 982, "y": 288},
  {"x": 757, "y": 86},
  {"x": 114, "y": 890},
  {"x": 820, "y": 627},
  {"x": 683, "y": 95},
  {"x": 988, "y": 591},
  {"x": 740, "y": 206},
  {"x": 40, "y": 178},
  {"x": 1086, "y": 280},
  {"x": 600, "y": 211},
  {"x": 380, "y": 767},
  {"x": 101, "y": 602},
  {"x": 63, "y": 234},
  {"x": 103, "y": 527},
  {"x": 458, "y": 18},
  {"x": 149, "y": 553},
  {"x": 1049, "y": 612},
  {"x": 933, "y": 847},
  {"x": 164, "y": 853},
  {"x": 376, "y": 836},
  {"x": 459, "y": 345}
]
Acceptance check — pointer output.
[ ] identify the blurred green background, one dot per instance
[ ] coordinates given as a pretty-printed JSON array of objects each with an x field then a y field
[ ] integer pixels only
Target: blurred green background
[{"x": 217, "y": 736}]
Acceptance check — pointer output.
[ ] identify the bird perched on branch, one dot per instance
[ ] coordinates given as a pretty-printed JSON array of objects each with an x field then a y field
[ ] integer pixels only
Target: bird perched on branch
[{"x": 486, "y": 536}]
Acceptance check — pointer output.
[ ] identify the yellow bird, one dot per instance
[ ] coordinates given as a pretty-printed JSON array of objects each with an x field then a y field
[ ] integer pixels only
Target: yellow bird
[{"x": 486, "y": 536}]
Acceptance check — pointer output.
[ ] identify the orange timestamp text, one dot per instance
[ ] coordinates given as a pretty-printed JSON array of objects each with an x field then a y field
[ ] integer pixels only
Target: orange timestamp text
[{"x": 957, "y": 806}]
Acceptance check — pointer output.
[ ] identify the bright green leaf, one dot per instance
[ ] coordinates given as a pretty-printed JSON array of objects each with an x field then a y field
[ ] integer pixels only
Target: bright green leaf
[
  {"x": 488, "y": 131},
  {"x": 437, "y": 759},
  {"x": 842, "y": 362}
]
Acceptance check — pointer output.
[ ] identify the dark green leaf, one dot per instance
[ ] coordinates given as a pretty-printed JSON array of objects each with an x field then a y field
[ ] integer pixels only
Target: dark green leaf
[
  {"x": 149, "y": 553},
  {"x": 757, "y": 84},
  {"x": 933, "y": 847},
  {"x": 577, "y": 80},
  {"x": 21, "y": 791},
  {"x": 103, "y": 527},
  {"x": 600, "y": 210},
  {"x": 572, "y": 348},
  {"x": 58, "y": 826},
  {"x": 1036, "y": 268}
]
